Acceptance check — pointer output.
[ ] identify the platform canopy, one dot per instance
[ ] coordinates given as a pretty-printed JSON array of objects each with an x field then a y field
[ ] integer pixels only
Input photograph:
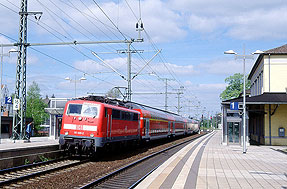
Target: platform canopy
[
  {"x": 54, "y": 111},
  {"x": 265, "y": 98}
]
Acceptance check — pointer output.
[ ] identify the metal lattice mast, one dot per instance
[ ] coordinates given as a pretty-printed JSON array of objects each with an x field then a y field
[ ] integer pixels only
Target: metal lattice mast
[
  {"x": 179, "y": 92},
  {"x": 129, "y": 92},
  {"x": 19, "y": 115},
  {"x": 18, "y": 119},
  {"x": 165, "y": 100},
  {"x": 23, "y": 86}
]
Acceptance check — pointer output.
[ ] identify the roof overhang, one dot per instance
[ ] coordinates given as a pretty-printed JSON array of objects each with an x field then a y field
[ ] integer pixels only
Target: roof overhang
[
  {"x": 265, "y": 98},
  {"x": 55, "y": 111}
]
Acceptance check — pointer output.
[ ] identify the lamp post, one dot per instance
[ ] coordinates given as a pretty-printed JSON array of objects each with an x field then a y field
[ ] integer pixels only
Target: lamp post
[
  {"x": 75, "y": 81},
  {"x": 244, "y": 57},
  {"x": 1, "y": 73}
]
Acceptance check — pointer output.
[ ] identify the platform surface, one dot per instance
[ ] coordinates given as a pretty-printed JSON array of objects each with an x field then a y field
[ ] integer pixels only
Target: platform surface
[
  {"x": 8, "y": 144},
  {"x": 209, "y": 164}
]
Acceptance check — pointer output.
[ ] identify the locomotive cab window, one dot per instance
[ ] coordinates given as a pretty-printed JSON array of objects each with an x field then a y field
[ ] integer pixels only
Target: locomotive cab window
[
  {"x": 74, "y": 109},
  {"x": 89, "y": 110}
]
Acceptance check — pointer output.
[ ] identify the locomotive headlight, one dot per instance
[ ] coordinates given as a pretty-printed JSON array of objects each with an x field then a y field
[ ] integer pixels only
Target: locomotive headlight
[
  {"x": 92, "y": 135},
  {"x": 66, "y": 133}
]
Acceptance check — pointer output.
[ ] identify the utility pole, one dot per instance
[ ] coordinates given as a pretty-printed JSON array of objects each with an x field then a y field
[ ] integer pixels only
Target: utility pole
[
  {"x": 19, "y": 116},
  {"x": 165, "y": 100},
  {"x": 208, "y": 119},
  {"x": 129, "y": 66},
  {"x": 129, "y": 72},
  {"x": 129, "y": 94},
  {"x": 179, "y": 92}
]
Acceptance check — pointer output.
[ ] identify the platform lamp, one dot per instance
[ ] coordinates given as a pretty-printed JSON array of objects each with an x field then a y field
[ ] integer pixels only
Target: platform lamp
[
  {"x": 76, "y": 81},
  {"x": 244, "y": 57},
  {"x": 1, "y": 73}
]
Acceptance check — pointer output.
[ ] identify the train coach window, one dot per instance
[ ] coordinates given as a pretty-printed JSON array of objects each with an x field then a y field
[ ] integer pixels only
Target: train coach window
[
  {"x": 106, "y": 112},
  {"x": 135, "y": 117},
  {"x": 123, "y": 115},
  {"x": 74, "y": 109},
  {"x": 116, "y": 114},
  {"x": 128, "y": 115}
]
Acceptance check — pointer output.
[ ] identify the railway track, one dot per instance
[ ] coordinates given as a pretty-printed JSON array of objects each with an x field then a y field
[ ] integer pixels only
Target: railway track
[
  {"x": 129, "y": 176},
  {"x": 25, "y": 172},
  {"x": 16, "y": 157}
]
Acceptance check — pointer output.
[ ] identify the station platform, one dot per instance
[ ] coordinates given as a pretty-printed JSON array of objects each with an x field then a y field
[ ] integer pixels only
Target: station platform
[
  {"x": 9, "y": 144},
  {"x": 20, "y": 152},
  {"x": 205, "y": 163}
]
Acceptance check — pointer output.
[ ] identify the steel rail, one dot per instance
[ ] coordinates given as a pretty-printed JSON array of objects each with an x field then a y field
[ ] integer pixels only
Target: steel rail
[
  {"x": 27, "y": 166},
  {"x": 38, "y": 173},
  {"x": 110, "y": 175}
]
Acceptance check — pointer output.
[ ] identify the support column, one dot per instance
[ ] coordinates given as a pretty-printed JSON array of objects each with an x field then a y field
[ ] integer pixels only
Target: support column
[
  {"x": 269, "y": 113},
  {"x": 129, "y": 73}
]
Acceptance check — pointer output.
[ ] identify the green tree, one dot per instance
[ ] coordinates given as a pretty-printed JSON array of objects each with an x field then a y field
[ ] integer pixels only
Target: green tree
[
  {"x": 234, "y": 87},
  {"x": 36, "y": 105},
  {"x": 113, "y": 93}
]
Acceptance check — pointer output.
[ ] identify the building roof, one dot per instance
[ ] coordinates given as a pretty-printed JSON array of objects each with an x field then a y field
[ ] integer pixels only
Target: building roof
[
  {"x": 265, "y": 98},
  {"x": 278, "y": 50},
  {"x": 282, "y": 50}
]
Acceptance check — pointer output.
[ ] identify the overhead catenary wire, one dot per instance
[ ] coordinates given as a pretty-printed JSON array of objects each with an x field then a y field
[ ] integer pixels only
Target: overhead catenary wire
[
  {"x": 132, "y": 46},
  {"x": 67, "y": 23},
  {"x": 113, "y": 23},
  {"x": 60, "y": 61},
  {"x": 109, "y": 19},
  {"x": 131, "y": 10},
  {"x": 47, "y": 30},
  {"x": 163, "y": 61},
  {"x": 102, "y": 10},
  {"x": 86, "y": 16},
  {"x": 74, "y": 47},
  {"x": 141, "y": 57},
  {"x": 80, "y": 10}
]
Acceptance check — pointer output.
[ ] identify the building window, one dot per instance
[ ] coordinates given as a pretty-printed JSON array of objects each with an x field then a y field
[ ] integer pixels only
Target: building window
[{"x": 255, "y": 87}]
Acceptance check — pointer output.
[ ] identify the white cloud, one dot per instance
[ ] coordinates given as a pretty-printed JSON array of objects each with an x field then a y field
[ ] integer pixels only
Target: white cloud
[
  {"x": 225, "y": 67},
  {"x": 202, "y": 24},
  {"x": 31, "y": 59},
  {"x": 74, "y": 20},
  {"x": 246, "y": 20},
  {"x": 95, "y": 67},
  {"x": 9, "y": 21},
  {"x": 206, "y": 93},
  {"x": 120, "y": 64},
  {"x": 4, "y": 40},
  {"x": 164, "y": 20},
  {"x": 187, "y": 70}
]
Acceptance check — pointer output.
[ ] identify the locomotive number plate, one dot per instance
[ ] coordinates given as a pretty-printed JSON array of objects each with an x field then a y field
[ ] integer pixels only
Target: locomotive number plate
[{"x": 79, "y": 127}]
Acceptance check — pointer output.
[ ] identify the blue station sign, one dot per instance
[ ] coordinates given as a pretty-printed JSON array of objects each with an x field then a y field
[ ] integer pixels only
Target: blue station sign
[
  {"x": 8, "y": 100},
  {"x": 234, "y": 106}
]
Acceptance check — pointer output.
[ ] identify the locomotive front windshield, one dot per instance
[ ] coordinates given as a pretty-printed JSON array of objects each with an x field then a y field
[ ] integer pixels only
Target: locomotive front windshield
[{"x": 88, "y": 110}]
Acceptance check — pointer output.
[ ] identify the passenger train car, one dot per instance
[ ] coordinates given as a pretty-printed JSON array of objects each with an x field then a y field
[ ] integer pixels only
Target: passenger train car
[{"x": 94, "y": 122}]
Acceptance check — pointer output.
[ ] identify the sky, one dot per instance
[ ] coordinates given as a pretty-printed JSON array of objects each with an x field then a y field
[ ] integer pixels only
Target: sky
[{"x": 191, "y": 34}]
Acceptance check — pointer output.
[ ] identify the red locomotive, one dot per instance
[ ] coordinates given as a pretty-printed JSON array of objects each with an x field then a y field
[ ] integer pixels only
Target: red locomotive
[{"x": 94, "y": 122}]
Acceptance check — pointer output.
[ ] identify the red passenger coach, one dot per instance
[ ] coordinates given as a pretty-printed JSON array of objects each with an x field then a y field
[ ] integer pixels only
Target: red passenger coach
[
  {"x": 156, "y": 123},
  {"x": 94, "y": 122},
  {"x": 88, "y": 125}
]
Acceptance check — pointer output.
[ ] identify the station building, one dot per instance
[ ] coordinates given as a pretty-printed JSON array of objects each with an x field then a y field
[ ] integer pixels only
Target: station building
[
  {"x": 266, "y": 104},
  {"x": 55, "y": 109}
]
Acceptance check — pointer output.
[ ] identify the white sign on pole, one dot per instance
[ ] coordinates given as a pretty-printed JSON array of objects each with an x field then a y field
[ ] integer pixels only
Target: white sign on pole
[{"x": 16, "y": 104}]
